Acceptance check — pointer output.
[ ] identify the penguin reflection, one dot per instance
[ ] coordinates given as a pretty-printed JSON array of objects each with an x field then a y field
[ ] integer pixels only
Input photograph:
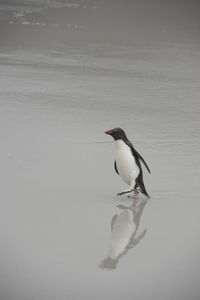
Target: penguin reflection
[{"x": 124, "y": 234}]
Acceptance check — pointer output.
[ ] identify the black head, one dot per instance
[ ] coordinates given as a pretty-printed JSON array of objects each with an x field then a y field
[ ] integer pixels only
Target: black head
[{"x": 117, "y": 134}]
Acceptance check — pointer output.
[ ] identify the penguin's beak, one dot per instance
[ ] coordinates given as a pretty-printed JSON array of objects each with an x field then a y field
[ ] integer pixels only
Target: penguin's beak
[{"x": 108, "y": 132}]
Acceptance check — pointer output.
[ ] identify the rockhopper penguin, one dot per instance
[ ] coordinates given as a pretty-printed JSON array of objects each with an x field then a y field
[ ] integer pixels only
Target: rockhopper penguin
[{"x": 127, "y": 163}]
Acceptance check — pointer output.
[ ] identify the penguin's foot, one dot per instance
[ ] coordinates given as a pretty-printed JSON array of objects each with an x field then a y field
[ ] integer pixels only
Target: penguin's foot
[
  {"x": 135, "y": 194},
  {"x": 125, "y": 192}
]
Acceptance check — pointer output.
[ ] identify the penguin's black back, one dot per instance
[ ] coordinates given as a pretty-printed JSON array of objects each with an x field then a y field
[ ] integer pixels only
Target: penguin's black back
[
  {"x": 139, "y": 180},
  {"x": 136, "y": 155}
]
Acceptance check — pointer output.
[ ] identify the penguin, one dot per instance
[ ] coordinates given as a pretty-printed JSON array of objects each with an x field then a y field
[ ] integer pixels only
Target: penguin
[{"x": 128, "y": 163}]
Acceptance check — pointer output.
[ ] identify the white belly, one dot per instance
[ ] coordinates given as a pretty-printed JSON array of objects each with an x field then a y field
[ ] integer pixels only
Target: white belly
[{"x": 126, "y": 165}]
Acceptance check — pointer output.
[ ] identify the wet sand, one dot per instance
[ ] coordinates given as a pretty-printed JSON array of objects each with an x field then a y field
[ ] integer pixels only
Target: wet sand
[{"x": 65, "y": 234}]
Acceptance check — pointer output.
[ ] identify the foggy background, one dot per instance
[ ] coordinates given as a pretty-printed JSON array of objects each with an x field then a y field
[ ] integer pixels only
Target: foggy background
[
  {"x": 56, "y": 24},
  {"x": 69, "y": 70}
]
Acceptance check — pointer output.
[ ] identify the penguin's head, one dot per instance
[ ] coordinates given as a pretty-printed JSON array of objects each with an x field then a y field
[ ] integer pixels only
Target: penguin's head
[{"x": 117, "y": 134}]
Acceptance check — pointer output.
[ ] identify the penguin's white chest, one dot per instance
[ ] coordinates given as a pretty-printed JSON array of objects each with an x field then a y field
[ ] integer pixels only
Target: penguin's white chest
[{"x": 126, "y": 164}]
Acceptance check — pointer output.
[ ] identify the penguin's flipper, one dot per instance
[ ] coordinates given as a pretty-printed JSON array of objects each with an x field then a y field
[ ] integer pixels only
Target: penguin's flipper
[
  {"x": 115, "y": 165},
  {"x": 144, "y": 162},
  {"x": 135, "y": 153}
]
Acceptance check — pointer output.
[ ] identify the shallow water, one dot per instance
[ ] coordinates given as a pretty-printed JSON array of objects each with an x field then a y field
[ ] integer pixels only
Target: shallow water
[{"x": 64, "y": 232}]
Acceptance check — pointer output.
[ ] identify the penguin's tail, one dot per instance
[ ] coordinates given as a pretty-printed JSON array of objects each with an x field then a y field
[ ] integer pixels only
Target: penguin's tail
[
  {"x": 143, "y": 191},
  {"x": 142, "y": 186}
]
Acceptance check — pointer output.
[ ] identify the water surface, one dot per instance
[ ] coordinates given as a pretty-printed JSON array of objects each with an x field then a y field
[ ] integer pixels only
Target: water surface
[{"x": 64, "y": 80}]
